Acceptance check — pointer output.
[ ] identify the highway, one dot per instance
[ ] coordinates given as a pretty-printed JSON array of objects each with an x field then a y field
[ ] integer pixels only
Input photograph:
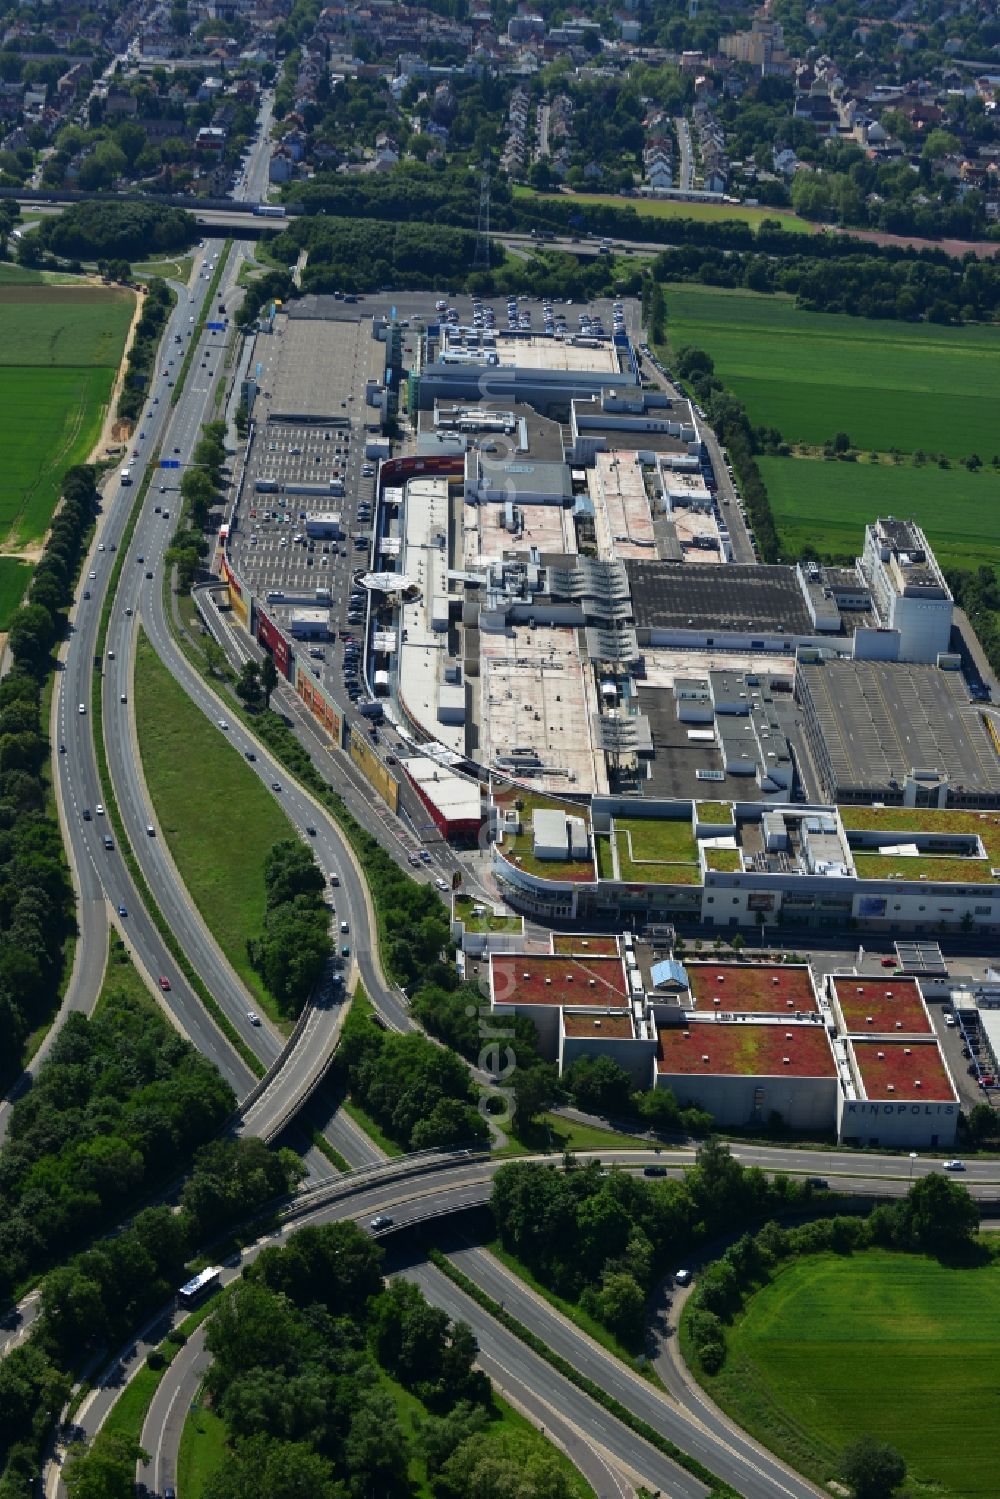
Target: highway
[
  {"x": 425, "y": 1188},
  {"x": 106, "y": 890},
  {"x": 104, "y": 886}
]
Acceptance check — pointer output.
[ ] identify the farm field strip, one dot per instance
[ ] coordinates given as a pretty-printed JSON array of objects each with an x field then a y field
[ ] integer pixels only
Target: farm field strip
[
  {"x": 895, "y": 1345},
  {"x": 674, "y": 208},
  {"x": 59, "y": 354},
  {"x": 827, "y": 505},
  {"x": 52, "y": 417},
  {"x": 813, "y": 374}
]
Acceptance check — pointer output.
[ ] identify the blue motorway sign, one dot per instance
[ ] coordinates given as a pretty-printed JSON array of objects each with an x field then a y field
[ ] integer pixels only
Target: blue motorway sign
[
  {"x": 170, "y": 463},
  {"x": 215, "y": 327}
]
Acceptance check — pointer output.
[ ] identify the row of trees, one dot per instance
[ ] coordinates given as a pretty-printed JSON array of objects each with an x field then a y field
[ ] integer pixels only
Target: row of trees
[
  {"x": 36, "y": 912},
  {"x": 303, "y": 1351},
  {"x": 200, "y": 485},
  {"x": 144, "y": 351},
  {"x": 90, "y": 231},
  {"x": 604, "y": 1238},
  {"x": 420, "y": 1094},
  {"x": 937, "y": 1217},
  {"x": 97, "y": 1299},
  {"x": 978, "y": 593},
  {"x": 118, "y": 1103},
  {"x": 860, "y": 281},
  {"x": 295, "y": 945}
]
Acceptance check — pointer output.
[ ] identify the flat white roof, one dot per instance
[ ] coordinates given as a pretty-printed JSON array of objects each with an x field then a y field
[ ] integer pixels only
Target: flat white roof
[
  {"x": 550, "y": 528},
  {"x": 455, "y": 796},
  {"x": 555, "y": 354},
  {"x": 538, "y": 691},
  {"x": 623, "y": 521},
  {"x": 424, "y": 652}
]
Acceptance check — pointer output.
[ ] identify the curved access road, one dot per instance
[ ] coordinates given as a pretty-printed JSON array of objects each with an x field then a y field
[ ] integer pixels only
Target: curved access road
[{"x": 436, "y": 1185}]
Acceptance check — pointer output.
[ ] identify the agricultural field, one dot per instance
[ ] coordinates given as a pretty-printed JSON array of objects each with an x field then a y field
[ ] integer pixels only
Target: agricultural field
[
  {"x": 64, "y": 325},
  {"x": 670, "y": 208},
  {"x": 52, "y": 418},
  {"x": 827, "y": 505},
  {"x": 895, "y": 1345},
  {"x": 14, "y": 578},
  {"x": 813, "y": 374},
  {"x": 58, "y": 358}
]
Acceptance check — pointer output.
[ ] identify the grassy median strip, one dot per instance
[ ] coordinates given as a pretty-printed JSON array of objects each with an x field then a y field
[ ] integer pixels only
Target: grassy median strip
[
  {"x": 199, "y": 327},
  {"x": 219, "y": 819},
  {"x": 225, "y": 1025},
  {"x": 128, "y": 1414},
  {"x": 322, "y": 1144},
  {"x": 716, "y": 1487}
]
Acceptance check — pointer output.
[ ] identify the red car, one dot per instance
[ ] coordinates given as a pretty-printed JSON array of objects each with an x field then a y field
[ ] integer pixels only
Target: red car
[
  {"x": 164, "y": 983},
  {"x": 888, "y": 962}
]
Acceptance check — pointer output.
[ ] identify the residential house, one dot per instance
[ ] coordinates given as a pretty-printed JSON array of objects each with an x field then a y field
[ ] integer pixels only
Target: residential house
[{"x": 281, "y": 167}]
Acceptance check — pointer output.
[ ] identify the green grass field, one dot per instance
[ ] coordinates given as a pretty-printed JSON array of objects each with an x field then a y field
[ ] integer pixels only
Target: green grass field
[
  {"x": 893, "y": 1345},
  {"x": 829, "y": 504},
  {"x": 669, "y": 208},
  {"x": 52, "y": 418},
  {"x": 59, "y": 353},
  {"x": 203, "y": 1450},
  {"x": 121, "y": 976},
  {"x": 51, "y": 325},
  {"x": 218, "y": 818},
  {"x": 14, "y": 578},
  {"x": 812, "y": 375},
  {"x": 12, "y": 274}
]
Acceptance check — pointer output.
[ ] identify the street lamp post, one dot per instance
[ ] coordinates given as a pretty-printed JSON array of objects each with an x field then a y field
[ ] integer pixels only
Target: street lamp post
[{"x": 913, "y": 1157}]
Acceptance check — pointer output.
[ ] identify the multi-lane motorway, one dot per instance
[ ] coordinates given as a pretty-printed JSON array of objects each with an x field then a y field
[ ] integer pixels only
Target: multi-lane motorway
[
  {"x": 414, "y": 1192},
  {"x": 105, "y": 888}
]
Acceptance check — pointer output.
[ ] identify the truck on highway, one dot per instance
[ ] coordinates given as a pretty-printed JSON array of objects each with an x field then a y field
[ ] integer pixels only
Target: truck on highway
[{"x": 126, "y": 476}]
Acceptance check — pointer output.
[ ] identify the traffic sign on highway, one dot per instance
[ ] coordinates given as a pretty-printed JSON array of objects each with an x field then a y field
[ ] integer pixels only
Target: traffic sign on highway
[
  {"x": 215, "y": 327},
  {"x": 170, "y": 463}
]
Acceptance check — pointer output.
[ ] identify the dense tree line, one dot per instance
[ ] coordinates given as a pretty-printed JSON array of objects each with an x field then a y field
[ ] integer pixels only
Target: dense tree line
[
  {"x": 35, "y": 904},
  {"x": 506, "y": 1047},
  {"x": 295, "y": 945},
  {"x": 420, "y": 1094},
  {"x": 978, "y": 593},
  {"x": 97, "y": 1299},
  {"x": 600, "y": 1085},
  {"x": 863, "y": 283},
  {"x": 144, "y": 350},
  {"x": 92, "y": 231},
  {"x": 301, "y": 1353},
  {"x": 200, "y": 485},
  {"x": 434, "y": 195},
  {"x": 119, "y": 1102},
  {"x": 936, "y": 1217},
  {"x": 604, "y": 1238}
]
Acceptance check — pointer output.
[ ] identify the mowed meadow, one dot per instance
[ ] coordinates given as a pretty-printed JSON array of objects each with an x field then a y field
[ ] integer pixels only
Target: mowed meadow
[
  {"x": 895, "y": 1346},
  {"x": 59, "y": 354},
  {"x": 887, "y": 385},
  {"x": 827, "y": 505},
  {"x": 812, "y": 374}
]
